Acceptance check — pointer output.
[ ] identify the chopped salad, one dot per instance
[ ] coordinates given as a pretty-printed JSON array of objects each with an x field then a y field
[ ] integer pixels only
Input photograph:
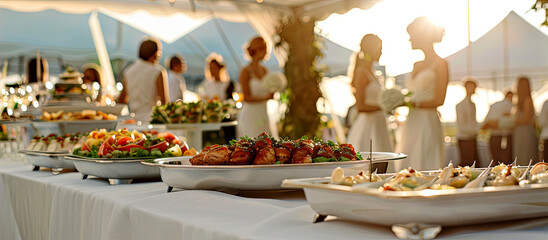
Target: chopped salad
[{"x": 122, "y": 143}]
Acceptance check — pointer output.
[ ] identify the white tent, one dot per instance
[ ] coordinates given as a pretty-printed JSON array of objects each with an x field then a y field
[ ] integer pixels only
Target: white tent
[
  {"x": 512, "y": 48},
  {"x": 263, "y": 16},
  {"x": 67, "y": 37}
]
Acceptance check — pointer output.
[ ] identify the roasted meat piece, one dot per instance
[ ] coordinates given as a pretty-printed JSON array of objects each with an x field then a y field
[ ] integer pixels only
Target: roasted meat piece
[
  {"x": 199, "y": 158},
  {"x": 265, "y": 155},
  {"x": 241, "y": 156},
  {"x": 322, "y": 150},
  {"x": 263, "y": 141},
  {"x": 218, "y": 155},
  {"x": 264, "y": 150},
  {"x": 346, "y": 150},
  {"x": 284, "y": 150},
  {"x": 303, "y": 153}
]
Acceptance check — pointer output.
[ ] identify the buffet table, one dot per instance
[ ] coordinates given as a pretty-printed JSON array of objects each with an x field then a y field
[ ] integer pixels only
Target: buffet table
[{"x": 39, "y": 205}]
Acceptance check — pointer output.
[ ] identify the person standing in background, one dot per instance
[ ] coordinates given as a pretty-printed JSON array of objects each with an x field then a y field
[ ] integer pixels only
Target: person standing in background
[
  {"x": 422, "y": 134},
  {"x": 543, "y": 122},
  {"x": 525, "y": 141},
  {"x": 467, "y": 125},
  {"x": 217, "y": 84},
  {"x": 253, "y": 118},
  {"x": 93, "y": 75},
  {"x": 32, "y": 71},
  {"x": 500, "y": 142},
  {"x": 370, "y": 123},
  {"x": 145, "y": 81},
  {"x": 177, "y": 85}
]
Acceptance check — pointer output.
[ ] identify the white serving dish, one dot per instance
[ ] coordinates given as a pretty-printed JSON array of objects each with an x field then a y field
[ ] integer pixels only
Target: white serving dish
[
  {"x": 179, "y": 173},
  {"x": 69, "y": 127},
  {"x": 53, "y": 160},
  {"x": 117, "y": 171},
  {"x": 442, "y": 207}
]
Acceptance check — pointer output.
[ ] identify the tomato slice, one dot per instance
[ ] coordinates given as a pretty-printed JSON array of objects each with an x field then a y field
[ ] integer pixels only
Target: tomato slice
[
  {"x": 85, "y": 147},
  {"x": 169, "y": 137},
  {"x": 163, "y": 146},
  {"x": 124, "y": 141},
  {"x": 105, "y": 149},
  {"x": 111, "y": 140},
  {"x": 141, "y": 142},
  {"x": 129, "y": 147}
]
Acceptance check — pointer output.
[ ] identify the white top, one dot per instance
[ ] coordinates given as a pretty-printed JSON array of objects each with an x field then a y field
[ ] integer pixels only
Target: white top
[
  {"x": 496, "y": 111},
  {"x": 466, "y": 119},
  {"x": 543, "y": 120},
  {"x": 422, "y": 86},
  {"x": 372, "y": 92},
  {"x": 141, "y": 88},
  {"x": 211, "y": 89},
  {"x": 177, "y": 86}
]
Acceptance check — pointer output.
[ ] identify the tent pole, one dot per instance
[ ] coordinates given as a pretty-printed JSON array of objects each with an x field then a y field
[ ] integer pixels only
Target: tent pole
[
  {"x": 505, "y": 52},
  {"x": 469, "y": 48},
  {"x": 227, "y": 43},
  {"x": 101, "y": 49},
  {"x": 119, "y": 26},
  {"x": 193, "y": 49}
]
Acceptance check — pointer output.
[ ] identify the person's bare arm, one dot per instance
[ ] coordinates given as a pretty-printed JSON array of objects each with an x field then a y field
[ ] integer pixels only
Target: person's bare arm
[
  {"x": 244, "y": 81},
  {"x": 161, "y": 88},
  {"x": 123, "y": 98},
  {"x": 441, "y": 87}
]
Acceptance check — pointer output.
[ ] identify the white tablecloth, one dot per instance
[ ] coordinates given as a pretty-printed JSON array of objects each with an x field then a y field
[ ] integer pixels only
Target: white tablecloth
[{"x": 39, "y": 205}]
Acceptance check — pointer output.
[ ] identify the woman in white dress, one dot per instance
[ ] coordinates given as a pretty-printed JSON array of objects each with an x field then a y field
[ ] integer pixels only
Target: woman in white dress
[
  {"x": 524, "y": 136},
  {"x": 370, "y": 123},
  {"x": 422, "y": 134},
  {"x": 253, "y": 118},
  {"x": 217, "y": 84}
]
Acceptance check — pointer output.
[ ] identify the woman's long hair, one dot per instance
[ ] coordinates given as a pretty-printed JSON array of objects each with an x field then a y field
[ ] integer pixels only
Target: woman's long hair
[
  {"x": 368, "y": 42},
  {"x": 523, "y": 92}
]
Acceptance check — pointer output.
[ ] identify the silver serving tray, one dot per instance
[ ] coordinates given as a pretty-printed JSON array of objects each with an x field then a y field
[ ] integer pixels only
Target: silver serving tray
[
  {"x": 117, "y": 171},
  {"x": 53, "y": 160},
  {"x": 116, "y": 110},
  {"x": 179, "y": 173},
  {"x": 193, "y": 126},
  {"x": 69, "y": 127},
  {"x": 439, "y": 207}
]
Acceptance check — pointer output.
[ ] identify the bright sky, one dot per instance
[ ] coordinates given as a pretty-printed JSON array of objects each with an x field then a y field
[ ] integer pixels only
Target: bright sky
[{"x": 389, "y": 20}]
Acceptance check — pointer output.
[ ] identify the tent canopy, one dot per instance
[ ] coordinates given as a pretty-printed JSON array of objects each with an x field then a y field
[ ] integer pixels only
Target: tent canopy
[
  {"x": 512, "y": 48},
  {"x": 67, "y": 37},
  {"x": 198, "y": 8},
  {"x": 263, "y": 17}
]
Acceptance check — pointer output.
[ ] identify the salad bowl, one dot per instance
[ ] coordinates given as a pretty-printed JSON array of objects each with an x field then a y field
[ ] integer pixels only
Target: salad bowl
[
  {"x": 116, "y": 170},
  {"x": 53, "y": 160}
]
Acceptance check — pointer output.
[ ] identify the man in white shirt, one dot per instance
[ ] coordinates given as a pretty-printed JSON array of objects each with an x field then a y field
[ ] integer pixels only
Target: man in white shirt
[
  {"x": 500, "y": 143},
  {"x": 467, "y": 125},
  {"x": 145, "y": 81},
  {"x": 177, "y": 85}
]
